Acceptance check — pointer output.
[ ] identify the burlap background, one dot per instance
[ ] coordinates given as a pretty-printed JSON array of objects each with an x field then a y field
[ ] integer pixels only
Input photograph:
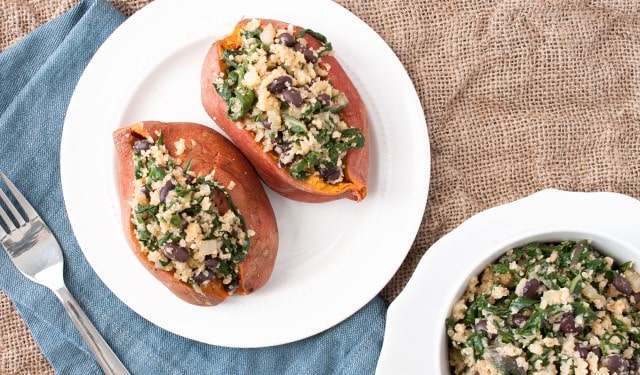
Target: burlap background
[{"x": 519, "y": 95}]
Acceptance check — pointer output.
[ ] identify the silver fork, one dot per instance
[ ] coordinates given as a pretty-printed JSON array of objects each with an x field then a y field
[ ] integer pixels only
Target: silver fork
[{"x": 36, "y": 253}]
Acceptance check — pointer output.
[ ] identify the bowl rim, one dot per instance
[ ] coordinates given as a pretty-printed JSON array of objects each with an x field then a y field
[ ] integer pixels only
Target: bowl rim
[
  {"x": 414, "y": 336},
  {"x": 602, "y": 242}
]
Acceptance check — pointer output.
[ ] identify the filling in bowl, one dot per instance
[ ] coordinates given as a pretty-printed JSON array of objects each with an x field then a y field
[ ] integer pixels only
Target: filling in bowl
[{"x": 548, "y": 308}]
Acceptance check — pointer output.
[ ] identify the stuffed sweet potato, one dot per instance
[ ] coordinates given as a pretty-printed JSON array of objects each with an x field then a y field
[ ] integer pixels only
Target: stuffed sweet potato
[
  {"x": 285, "y": 101},
  {"x": 194, "y": 210}
]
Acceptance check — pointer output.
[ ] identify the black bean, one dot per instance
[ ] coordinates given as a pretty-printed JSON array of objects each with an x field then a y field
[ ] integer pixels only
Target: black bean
[
  {"x": 285, "y": 39},
  {"x": 634, "y": 366},
  {"x": 299, "y": 47},
  {"x": 203, "y": 276},
  {"x": 175, "y": 252},
  {"x": 189, "y": 179},
  {"x": 481, "y": 326},
  {"x": 279, "y": 84},
  {"x": 232, "y": 286},
  {"x": 568, "y": 324},
  {"x": 510, "y": 366},
  {"x": 277, "y": 138},
  {"x": 615, "y": 363},
  {"x": 211, "y": 263},
  {"x": 280, "y": 144},
  {"x": 310, "y": 55},
  {"x": 518, "y": 320},
  {"x": 164, "y": 191},
  {"x": 582, "y": 350},
  {"x": 292, "y": 96},
  {"x": 636, "y": 297},
  {"x": 141, "y": 145},
  {"x": 622, "y": 285},
  {"x": 324, "y": 99},
  {"x": 145, "y": 191},
  {"x": 330, "y": 174},
  {"x": 530, "y": 289},
  {"x": 282, "y": 148}
]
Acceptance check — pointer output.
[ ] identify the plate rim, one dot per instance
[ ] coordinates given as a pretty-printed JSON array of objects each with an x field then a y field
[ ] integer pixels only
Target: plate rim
[{"x": 66, "y": 154}]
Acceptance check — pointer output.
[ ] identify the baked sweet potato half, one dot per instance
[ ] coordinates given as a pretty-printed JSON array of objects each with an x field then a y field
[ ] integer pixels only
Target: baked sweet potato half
[
  {"x": 284, "y": 100},
  {"x": 194, "y": 210}
]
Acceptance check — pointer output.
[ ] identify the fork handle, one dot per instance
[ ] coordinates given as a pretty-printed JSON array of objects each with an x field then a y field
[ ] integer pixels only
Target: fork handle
[{"x": 106, "y": 358}]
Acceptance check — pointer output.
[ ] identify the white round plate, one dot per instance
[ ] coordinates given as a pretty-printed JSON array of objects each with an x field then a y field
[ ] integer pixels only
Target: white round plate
[
  {"x": 333, "y": 257},
  {"x": 415, "y": 327}
]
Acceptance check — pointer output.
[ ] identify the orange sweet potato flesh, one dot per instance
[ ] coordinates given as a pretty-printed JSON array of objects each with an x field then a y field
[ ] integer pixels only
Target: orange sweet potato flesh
[
  {"x": 211, "y": 151},
  {"x": 314, "y": 189}
]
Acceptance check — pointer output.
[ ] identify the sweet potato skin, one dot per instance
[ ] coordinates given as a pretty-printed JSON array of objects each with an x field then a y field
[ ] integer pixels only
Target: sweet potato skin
[
  {"x": 313, "y": 189},
  {"x": 211, "y": 151}
]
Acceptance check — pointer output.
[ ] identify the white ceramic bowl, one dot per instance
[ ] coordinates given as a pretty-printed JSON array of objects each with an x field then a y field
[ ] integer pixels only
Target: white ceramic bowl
[{"x": 415, "y": 338}]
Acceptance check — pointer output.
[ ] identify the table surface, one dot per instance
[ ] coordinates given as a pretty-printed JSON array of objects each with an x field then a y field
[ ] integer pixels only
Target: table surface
[{"x": 518, "y": 97}]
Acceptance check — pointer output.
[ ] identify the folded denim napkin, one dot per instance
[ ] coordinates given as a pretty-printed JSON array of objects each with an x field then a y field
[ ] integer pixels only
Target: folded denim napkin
[{"x": 38, "y": 75}]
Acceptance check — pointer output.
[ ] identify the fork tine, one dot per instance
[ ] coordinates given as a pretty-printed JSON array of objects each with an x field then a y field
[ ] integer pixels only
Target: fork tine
[
  {"x": 3, "y": 234},
  {"x": 7, "y": 221},
  {"x": 28, "y": 209},
  {"x": 12, "y": 208}
]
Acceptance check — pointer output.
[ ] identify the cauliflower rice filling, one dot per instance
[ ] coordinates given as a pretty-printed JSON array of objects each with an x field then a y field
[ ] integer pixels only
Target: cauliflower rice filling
[
  {"x": 276, "y": 87},
  {"x": 179, "y": 219},
  {"x": 558, "y": 308}
]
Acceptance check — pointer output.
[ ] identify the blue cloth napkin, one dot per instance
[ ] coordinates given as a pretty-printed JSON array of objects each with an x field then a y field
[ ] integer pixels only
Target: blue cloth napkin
[{"x": 38, "y": 75}]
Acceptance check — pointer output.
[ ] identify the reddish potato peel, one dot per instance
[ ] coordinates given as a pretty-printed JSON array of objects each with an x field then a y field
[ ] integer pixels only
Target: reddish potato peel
[
  {"x": 314, "y": 189},
  {"x": 211, "y": 151}
]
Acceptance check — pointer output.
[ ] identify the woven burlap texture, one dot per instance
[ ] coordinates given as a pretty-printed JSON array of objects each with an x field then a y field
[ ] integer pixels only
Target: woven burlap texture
[{"x": 518, "y": 95}]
